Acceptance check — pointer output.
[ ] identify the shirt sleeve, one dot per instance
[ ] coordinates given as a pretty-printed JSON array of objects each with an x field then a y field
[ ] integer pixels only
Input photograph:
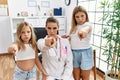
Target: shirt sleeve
[
  {"x": 67, "y": 74},
  {"x": 41, "y": 45}
]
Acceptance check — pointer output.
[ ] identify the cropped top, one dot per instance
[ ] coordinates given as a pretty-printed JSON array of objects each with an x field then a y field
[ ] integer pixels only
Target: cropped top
[{"x": 28, "y": 53}]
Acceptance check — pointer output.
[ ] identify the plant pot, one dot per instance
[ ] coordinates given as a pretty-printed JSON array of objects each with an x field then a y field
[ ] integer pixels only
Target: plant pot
[{"x": 108, "y": 77}]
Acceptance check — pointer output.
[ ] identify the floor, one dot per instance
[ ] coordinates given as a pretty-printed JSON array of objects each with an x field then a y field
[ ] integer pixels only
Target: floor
[
  {"x": 8, "y": 64},
  {"x": 97, "y": 76}
]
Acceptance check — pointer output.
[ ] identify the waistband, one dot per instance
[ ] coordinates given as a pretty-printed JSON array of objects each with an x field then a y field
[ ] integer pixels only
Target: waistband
[
  {"x": 82, "y": 49},
  {"x": 33, "y": 69},
  {"x": 57, "y": 79}
]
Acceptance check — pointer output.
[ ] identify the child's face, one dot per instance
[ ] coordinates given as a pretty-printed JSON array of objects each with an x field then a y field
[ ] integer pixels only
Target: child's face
[
  {"x": 26, "y": 34},
  {"x": 52, "y": 29},
  {"x": 80, "y": 18}
]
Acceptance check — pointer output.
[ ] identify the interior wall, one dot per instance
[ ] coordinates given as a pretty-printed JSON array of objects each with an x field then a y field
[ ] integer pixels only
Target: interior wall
[
  {"x": 17, "y": 6},
  {"x": 5, "y": 34},
  {"x": 68, "y": 14}
]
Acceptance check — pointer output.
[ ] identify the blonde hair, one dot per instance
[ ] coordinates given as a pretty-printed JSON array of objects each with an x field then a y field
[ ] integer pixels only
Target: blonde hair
[
  {"x": 19, "y": 41},
  {"x": 74, "y": 23}
]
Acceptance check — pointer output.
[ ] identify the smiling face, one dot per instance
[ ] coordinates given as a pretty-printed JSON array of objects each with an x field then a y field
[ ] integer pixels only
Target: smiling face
[
  {"x": 80, "y": 18},
  {"x": 25, "y": 34},
  {"x": 52, "y": 29}
]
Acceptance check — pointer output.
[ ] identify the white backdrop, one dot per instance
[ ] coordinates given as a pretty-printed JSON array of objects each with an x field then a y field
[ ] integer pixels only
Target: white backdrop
[{"x": 5, "y": 34}]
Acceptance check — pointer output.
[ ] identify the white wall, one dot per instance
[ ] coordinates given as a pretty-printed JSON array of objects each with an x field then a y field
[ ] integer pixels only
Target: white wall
[
  {"x": 5, "y": 34},
  {"x": 17, "y": 6},
  {"x": 67, "y": 10},
  {"x": 68, "y": 13}
]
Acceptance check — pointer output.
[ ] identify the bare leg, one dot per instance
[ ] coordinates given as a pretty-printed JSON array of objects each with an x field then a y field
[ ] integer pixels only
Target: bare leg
[
  {"x": 37, "y": 74},
  {"x": 85, "y": 74},
  {"x": 76, "y": 73}
]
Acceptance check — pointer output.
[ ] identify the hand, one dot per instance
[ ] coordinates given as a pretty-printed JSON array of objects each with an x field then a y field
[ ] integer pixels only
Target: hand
[
  {"x": 65, "y": 36},
  {"x": 44, "y": 76},
  {"x": 13, "y": 49},
  {"x": 50, "y": 42},
  {"x": 82, "y": 34}
]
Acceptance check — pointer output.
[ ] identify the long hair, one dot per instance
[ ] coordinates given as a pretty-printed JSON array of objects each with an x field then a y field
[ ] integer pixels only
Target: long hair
[
  {"x": 20, "y": 42},
  {"x": 73, "y": 22}
]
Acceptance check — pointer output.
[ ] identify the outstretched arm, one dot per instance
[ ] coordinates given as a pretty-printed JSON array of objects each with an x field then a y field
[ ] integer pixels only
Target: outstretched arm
[
  {"x": 45, "y": 44},
  {"x": 82, "y": 33}
]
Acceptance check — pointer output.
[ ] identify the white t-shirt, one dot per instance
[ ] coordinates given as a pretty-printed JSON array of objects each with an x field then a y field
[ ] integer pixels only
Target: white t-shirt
[{"x": 76, "y": 43}]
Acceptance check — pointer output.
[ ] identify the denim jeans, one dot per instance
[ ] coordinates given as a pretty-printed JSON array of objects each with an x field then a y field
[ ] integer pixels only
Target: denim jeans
[{"x": 24, "y": 75}]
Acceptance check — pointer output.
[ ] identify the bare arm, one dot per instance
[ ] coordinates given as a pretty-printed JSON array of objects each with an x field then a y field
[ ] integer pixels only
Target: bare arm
[{"x": 40, "y": 67}]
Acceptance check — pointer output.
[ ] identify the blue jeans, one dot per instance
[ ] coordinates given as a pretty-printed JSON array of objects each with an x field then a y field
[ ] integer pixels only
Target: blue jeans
[{"x": 24, "y": 75}]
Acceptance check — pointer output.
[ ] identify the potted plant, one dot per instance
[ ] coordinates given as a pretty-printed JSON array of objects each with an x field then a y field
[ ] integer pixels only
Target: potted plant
[{"x": 111, "y": 32}]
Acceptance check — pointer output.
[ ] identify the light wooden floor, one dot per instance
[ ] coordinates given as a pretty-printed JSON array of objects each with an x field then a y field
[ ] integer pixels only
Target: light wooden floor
[
  {"x": 97, "y": 76},
  {"x": 7, "y": 65}
]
